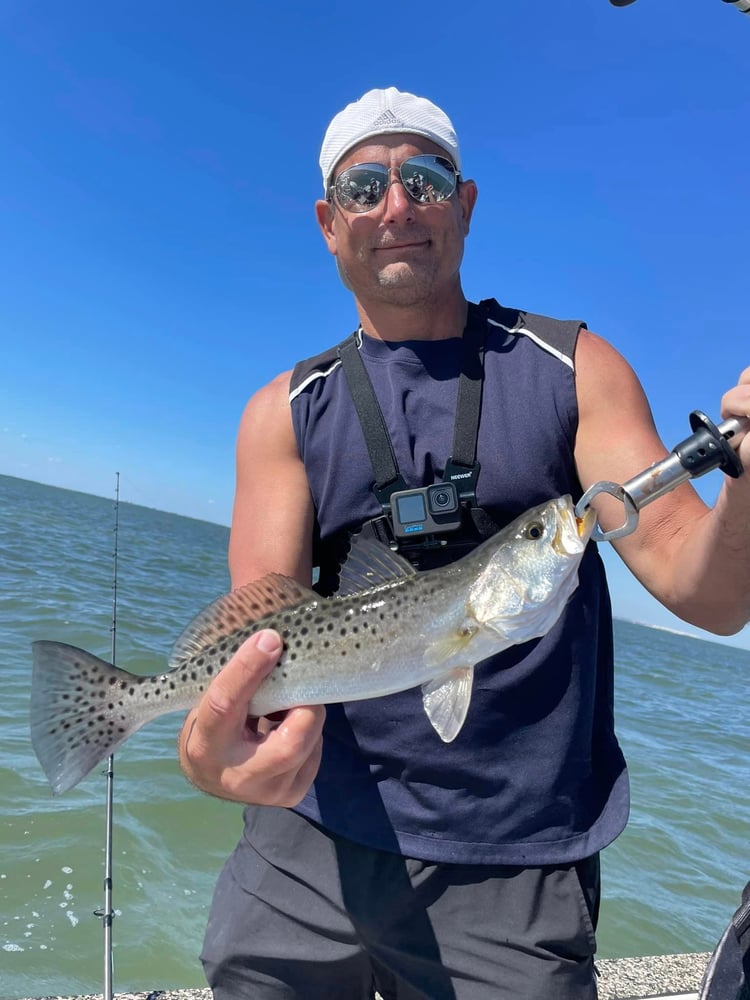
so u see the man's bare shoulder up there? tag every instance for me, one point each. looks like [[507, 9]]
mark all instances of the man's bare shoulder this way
[[270, 397]]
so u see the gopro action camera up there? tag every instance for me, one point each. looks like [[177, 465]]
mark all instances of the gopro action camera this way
[[429, 510]]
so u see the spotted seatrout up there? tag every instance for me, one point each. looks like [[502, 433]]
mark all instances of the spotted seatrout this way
[[389, 628]]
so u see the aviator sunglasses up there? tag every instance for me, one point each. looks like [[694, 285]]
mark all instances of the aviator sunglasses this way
[[427, 179]]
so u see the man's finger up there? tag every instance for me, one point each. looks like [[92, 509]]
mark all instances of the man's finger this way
[[223, 709]]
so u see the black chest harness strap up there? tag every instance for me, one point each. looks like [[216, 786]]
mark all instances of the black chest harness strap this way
[[462, 467]]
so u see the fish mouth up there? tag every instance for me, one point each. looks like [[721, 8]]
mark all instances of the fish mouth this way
[[572, 530], [585, 524]]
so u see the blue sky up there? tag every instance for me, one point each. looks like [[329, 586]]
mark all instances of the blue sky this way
[[160, 261]]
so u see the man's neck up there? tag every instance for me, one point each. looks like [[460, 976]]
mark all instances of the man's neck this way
[[430, 321]]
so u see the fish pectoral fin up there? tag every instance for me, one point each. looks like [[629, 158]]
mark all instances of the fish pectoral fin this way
[[446, 701], [438, 652]]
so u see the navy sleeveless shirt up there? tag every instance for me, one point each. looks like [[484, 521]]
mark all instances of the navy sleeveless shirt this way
[[535, 776]]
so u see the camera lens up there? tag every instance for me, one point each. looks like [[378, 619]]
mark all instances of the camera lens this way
[[442, 499]]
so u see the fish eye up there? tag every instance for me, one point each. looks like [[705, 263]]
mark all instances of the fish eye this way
[[534, 530]]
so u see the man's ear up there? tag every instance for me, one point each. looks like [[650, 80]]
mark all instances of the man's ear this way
[[325, 214], [467, 196]]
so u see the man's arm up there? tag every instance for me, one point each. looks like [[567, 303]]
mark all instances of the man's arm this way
[[221, 750], [695, 560], [272, 521]]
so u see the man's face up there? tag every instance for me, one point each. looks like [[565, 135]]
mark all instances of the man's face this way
[[400, 252]]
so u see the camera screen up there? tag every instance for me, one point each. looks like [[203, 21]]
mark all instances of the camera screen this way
[[411, 508]]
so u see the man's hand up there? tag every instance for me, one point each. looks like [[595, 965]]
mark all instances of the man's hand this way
[[736, 403], [259, 761]]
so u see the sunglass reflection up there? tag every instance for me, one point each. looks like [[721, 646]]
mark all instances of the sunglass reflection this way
[[426, 179]]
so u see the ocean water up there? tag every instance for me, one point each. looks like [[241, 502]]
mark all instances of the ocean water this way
[[670, 882]]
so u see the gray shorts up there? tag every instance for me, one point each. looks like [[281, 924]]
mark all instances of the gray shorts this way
[[299, 913]]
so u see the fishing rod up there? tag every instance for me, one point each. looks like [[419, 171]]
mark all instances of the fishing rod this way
[[106, 912], [743, 6], [708, 447]]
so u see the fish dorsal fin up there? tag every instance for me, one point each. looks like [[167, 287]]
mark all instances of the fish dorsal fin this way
[[238, 610], [370, 564]]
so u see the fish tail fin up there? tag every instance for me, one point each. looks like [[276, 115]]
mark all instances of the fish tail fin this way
[[80, 711]]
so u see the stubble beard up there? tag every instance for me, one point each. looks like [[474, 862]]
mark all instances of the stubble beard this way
[[401, 283]]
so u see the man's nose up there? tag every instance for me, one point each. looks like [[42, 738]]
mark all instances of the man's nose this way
[[398, 204]]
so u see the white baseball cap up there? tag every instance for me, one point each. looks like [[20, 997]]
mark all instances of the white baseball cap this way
[[386, 112]]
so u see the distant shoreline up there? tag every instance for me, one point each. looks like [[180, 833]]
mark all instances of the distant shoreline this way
[[700, 635]]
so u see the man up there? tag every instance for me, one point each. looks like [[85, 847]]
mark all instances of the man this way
[[429, 870]]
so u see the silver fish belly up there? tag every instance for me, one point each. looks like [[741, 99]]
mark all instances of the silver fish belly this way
[[388, 629]]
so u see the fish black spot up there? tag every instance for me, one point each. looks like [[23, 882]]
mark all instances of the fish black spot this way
[[304, 630], [329, 627], [124, 684], [171, 685], [157, 692], [65, 697], [193, 675], [131, 691], [112, 680]]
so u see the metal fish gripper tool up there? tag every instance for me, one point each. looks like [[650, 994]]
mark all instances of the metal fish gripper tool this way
[[708, 447]]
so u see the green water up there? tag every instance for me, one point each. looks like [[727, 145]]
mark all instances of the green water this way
[[670, 882]]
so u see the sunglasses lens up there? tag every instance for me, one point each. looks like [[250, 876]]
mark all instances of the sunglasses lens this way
[[427, 179], [361, 187]]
